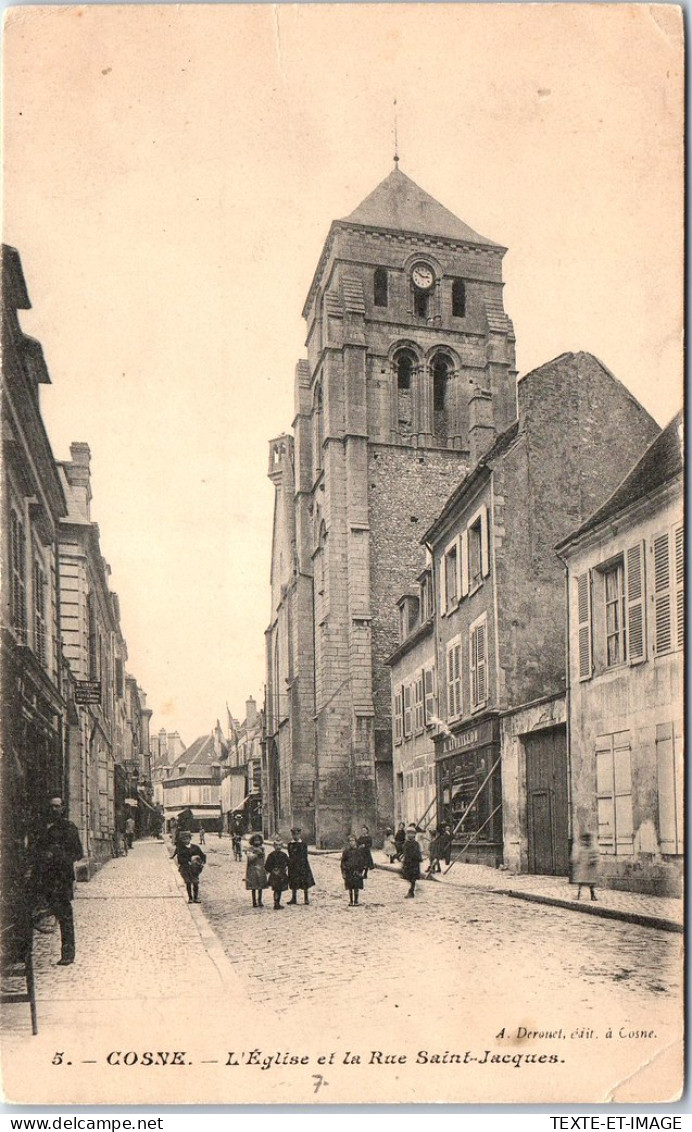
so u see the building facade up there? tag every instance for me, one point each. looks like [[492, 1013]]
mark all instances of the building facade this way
[[103, 767], [166, 747], [501, 756], [414, 707], [410, 368], [242, 788], [34, 676], [625, 571]]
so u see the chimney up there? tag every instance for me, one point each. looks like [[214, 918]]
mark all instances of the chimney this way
[[250, 713], [78, 474], [481, 428]]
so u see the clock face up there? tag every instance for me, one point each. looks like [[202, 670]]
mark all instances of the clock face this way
[[423, 276]]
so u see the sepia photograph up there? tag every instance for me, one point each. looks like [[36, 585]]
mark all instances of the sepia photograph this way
[[342, 554]]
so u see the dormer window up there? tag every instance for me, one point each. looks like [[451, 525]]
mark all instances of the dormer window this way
[[459, 298], [380, 297]]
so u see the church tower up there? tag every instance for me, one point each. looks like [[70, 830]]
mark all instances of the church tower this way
[[410, 374]]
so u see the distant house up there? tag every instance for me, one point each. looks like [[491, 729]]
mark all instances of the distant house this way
[[241, 789], [625, 568], [194, 782]]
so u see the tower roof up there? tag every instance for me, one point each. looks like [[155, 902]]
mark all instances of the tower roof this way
[[399, 203]]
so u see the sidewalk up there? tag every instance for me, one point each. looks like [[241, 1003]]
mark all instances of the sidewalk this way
[[139, 943], [664, 912]]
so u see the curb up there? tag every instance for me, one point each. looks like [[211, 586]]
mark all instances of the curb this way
[[640, 918], [230, 979]]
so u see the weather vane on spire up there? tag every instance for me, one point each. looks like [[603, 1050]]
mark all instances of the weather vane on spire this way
[[396, 136]]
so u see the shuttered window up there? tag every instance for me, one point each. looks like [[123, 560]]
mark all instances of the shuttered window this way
[[454, 701], [17, 550], [419, 720], [614, 794], [478, 663], [670, 774], [679, 538], [662, 595], [398, 716], [429, 681], [407, 709], [452, 572], [635, 588], [584, 624], [668, 596], [40, 626], [464, 562]]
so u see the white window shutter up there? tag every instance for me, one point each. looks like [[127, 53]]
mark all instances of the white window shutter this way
[[678, 535], [584, 625], [450, 683], [485, 546], [463, 560], [662, 595], [481, 664], [457, 669], [635, 590], [472, 668], [443, 586]]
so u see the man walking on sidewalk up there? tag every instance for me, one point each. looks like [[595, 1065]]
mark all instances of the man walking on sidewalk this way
[[56, 849]]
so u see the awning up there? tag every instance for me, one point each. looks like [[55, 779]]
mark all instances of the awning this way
[[149, 806], [237, 809]]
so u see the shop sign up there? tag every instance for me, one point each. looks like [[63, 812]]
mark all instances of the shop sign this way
[[472, 737], [87, 692]]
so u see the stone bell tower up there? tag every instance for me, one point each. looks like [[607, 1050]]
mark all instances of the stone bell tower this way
[[410, 374]]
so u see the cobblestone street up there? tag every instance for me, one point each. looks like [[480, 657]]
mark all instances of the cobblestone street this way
[[442, 974], [407, 957]]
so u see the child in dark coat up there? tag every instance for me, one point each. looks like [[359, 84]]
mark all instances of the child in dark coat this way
[[191, 861], [276, 865], [411, 857], [353, 869], [365, 842]]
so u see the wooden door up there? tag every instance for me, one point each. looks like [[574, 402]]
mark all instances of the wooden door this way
[[546, 796]]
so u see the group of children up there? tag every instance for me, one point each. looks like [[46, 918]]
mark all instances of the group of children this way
[[282, 870], [356, 859]]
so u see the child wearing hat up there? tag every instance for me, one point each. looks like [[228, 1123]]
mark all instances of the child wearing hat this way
[[276, 865], [299, 871], [411, 857], [255, 873], [353, 869]]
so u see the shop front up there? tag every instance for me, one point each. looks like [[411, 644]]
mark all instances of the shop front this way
[[469, 791]]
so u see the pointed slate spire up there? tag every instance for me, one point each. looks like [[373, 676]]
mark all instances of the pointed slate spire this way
[[398, 203]]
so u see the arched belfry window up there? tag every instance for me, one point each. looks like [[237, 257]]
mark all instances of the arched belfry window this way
[[442, 370], [380, 297], [459, 298], [404, 370], [317, 428]]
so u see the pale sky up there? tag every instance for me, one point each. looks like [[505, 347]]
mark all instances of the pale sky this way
[[170, 176]]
